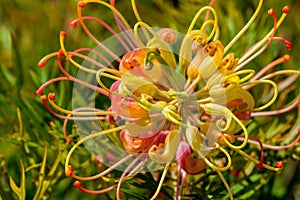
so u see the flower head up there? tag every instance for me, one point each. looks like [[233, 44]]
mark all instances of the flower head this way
[[173, 97]]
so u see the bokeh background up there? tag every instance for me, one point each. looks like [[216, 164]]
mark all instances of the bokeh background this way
[[29, 29]]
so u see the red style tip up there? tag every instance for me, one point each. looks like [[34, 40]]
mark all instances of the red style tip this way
[[39, 91], [298, 130], [271, 12], [44, 98], [69, 172], [279, 164], [286, 58], [77, 184], [289, 46], [63, 34], [51, 96], [42, 64], [286, 9], [81, 4], [73, 24]]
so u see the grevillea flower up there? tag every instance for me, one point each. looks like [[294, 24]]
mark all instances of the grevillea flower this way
[[181, 99]]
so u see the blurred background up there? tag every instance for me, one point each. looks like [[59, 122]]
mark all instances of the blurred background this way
[[29, 29]]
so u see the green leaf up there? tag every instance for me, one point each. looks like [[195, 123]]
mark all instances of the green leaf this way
[[41, 175], [20, 191]]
